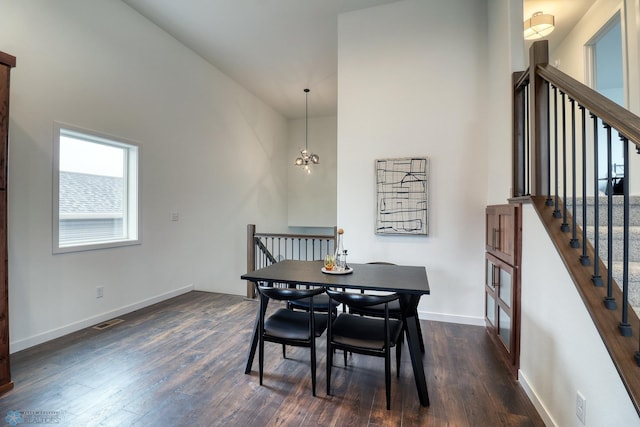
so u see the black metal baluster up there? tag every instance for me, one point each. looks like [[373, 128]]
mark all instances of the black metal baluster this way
[[565, 226], [549, 201], [556, 211], [573, 241], [637, 355], [609, 300], [584, 258], [526, 166], [625, 327], [596, 279]]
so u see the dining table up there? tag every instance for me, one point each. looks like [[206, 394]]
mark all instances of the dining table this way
[[409, 282]]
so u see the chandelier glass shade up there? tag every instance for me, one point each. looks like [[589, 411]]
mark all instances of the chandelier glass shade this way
[[306, 158], [538, 26]]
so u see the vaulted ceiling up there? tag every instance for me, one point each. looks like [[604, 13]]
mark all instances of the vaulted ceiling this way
[[274, 48], [277, 48]]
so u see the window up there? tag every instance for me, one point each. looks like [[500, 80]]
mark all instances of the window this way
[[95, 191]]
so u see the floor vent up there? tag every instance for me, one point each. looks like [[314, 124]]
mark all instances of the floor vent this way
[[108, 324]]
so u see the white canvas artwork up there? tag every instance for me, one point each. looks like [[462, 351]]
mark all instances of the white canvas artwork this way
[[402, 190]]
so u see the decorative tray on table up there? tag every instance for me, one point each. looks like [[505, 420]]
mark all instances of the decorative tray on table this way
[[346, 271]]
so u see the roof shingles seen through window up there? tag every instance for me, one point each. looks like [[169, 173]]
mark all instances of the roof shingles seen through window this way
[[90, 194]]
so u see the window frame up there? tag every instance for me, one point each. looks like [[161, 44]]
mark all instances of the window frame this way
[[131, 183]]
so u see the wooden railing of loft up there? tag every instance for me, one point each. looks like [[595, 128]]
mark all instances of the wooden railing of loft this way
[[555, 161], [264, 249]]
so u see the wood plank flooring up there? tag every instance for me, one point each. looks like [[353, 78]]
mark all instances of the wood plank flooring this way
[[181, 363]]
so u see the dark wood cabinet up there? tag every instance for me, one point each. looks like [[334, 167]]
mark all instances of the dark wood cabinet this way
[[499, 291], [502, 238], [502, 280], [6, 63]]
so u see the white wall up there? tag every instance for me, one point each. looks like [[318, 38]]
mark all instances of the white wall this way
[[411, 83], [312, 197], [561, 351], [210, 151], [506, 55]]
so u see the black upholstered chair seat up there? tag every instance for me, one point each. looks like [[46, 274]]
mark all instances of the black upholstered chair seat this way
[[291, 325], [364, 332]]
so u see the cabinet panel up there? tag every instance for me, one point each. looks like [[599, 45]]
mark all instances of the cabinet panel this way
[[6, 63], [490, 311], [505, 286], [504, 328], [500, 305], [502, 232]]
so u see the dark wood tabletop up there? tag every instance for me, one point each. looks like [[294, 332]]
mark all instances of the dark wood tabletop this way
[[381, 277]]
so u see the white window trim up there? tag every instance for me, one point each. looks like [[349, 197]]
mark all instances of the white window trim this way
[[133, 191]]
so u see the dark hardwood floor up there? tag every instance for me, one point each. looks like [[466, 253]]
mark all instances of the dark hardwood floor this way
[[181, 363]]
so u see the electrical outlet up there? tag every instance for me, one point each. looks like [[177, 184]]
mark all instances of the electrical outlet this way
[[99, 291], [581, 407]]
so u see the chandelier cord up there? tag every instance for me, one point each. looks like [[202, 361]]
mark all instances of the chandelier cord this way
[[306, 120]]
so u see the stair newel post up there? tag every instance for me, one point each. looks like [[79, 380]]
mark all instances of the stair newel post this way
[[539, 119], [625, 327], [596, 279], [584, 258], [251, 258], [609, 301]]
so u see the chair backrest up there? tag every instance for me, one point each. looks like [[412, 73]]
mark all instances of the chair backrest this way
[[288, 294], [360, 300]]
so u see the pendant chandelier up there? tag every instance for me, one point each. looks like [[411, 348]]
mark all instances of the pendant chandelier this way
[[306, 158]]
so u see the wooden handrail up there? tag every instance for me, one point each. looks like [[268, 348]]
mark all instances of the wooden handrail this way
[[293, 236], [619, 118]]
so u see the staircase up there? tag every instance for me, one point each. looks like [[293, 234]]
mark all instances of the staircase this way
[[617, 239]]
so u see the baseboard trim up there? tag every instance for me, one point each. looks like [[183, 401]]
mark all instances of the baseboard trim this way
[[25, 343], [451, 318], [533, 397]]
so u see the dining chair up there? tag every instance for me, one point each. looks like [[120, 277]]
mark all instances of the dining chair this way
[[321, 303], [290, 327], [364, 335], [394, 311]]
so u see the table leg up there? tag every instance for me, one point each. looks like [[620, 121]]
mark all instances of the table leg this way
[[254, 339], [409, 305]]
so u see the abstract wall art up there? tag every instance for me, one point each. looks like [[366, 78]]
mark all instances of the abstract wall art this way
[[402, 196]]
